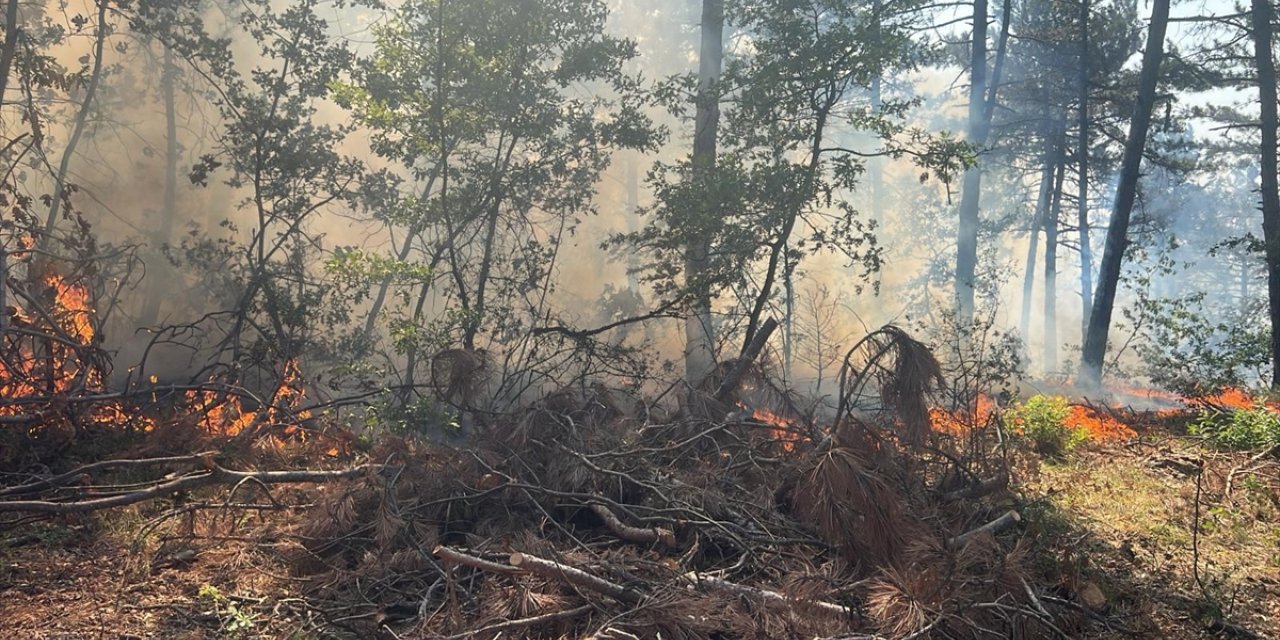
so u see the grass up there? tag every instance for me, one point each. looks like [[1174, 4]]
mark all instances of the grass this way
[[1137, 524]]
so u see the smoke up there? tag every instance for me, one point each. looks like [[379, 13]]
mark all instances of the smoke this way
[[119, 175]]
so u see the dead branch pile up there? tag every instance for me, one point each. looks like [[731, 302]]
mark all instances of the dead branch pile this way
[[581, 517], [578, 518]]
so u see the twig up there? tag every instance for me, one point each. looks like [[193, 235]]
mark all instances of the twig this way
[[700, 579], [577, 577], [524, 622], [76, 473], [1231, 477], [217, 475], [1034, 600]]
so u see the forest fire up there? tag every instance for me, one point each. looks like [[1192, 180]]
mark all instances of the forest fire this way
[[224, 414], [44, 355], [1100, 426], [964, 419], [784, 431], [521, 318]]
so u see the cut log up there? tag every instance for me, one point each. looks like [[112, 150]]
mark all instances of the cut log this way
[[1003, 523], [457, 557]]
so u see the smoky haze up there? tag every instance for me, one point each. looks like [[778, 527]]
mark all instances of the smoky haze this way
[[184, 234]]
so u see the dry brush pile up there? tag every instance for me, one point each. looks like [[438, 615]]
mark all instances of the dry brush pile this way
[[595, 514]]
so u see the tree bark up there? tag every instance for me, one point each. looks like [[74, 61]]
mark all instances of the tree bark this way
[[1095, 344], [875, 166], [1082, 159], [1263, 16], [699, 333]]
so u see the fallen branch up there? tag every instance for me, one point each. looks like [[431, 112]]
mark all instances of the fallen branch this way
[[698, 579], [457, 557], [554, 570], [217, 475], [1231, 477], [978, 490], [749, 355], [1231, 630], [638, 535], [1003, 523], [74, 474], [521, 623]]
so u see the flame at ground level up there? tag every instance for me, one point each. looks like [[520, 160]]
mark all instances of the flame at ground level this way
[[1098, 424]]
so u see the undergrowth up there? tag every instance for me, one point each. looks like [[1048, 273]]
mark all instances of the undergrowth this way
[[1242, 429], [1043, 420]]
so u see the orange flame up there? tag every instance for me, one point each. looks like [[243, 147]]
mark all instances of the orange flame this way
[[785, 430], [223, 414], [1100, 427], [964, 419]]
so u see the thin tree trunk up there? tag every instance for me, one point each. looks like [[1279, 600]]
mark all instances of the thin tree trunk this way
[[1002, 49], [169, 209], [82, 118], [982, 107], [1095, 344], [699, 333], [633, 213], [6, 63], [11, 31], [1263, 15], [1082, 151], [789, 322], [380, 298], [875, 167], [967, 232], [1047, 174], [1051, 222]]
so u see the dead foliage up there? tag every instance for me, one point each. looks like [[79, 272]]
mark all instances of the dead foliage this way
[[583, 516]]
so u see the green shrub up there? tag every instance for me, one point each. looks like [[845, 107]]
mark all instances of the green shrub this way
[[1043, 419], [1254, 428]]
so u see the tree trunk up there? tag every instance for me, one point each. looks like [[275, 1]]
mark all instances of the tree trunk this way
[[967, 232], [699, 334], [1047, 174], [1082, 151], [1095, 344], [1263, 15], [981, 110], [1051, 222], [11, 30], [82, 119], [875, 166], [169, 209]]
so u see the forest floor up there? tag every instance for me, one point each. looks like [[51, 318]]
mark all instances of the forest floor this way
[[1122, 513], [1126, 512]]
